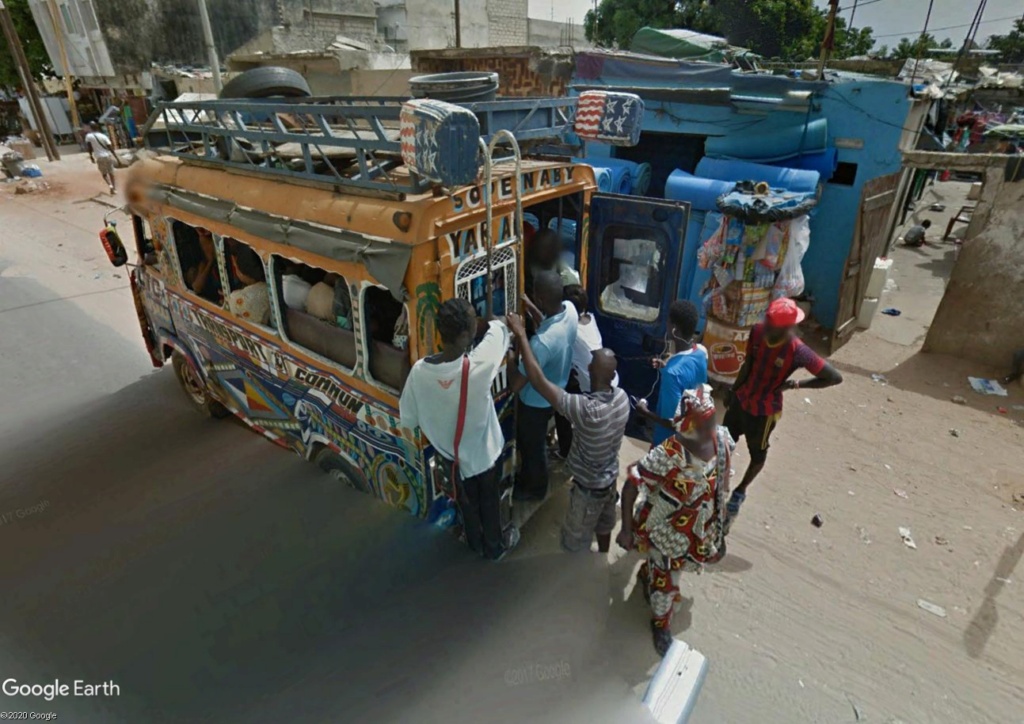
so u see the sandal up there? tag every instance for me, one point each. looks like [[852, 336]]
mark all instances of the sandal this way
[[662, 639], [641, 579], [732, 508]]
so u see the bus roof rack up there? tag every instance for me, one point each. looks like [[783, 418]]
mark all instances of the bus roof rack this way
[[374, 145]]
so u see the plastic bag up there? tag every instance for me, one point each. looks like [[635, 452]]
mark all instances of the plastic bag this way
[[790, 282]]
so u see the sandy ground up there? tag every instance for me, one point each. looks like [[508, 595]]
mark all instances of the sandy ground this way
[[800, 624], [823, 625]]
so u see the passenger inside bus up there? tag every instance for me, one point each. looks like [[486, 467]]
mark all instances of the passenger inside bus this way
[[249, 298], [317, 311], [198, 257], [387, 327], [545, 254]]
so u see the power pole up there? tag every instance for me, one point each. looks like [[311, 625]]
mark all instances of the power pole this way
[[920, 49], [211, 49], [458, 25], [830, 37], [972, 31], [18, 53], [59, 33]]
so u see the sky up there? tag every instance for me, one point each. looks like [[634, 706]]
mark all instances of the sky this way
[[895, 18]]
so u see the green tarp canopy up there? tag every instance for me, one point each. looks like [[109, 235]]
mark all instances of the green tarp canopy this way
[[684, 44]]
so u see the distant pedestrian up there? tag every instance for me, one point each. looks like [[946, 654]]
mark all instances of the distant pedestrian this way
[[774, 353], [915, 235], [681, 525], [101, 152], [598, 418], [588, 341], [686, 369], [438, 387], [552, 347]]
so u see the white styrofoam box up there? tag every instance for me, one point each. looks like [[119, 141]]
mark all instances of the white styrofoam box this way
[[673, 691], [879, 276], [868, 308]]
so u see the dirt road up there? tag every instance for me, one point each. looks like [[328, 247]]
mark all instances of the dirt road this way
[[800, 624]]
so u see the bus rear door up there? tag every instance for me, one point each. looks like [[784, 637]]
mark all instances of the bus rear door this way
[[635, 254]]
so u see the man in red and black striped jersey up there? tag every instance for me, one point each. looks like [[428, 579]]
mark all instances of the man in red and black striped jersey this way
[[774, 353]]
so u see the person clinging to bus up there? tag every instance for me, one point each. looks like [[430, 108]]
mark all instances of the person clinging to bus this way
[[686, 369], [202, 277], [545, 254], [598, 418], [251, 300], [552, 347], [588, 341], [431, 401]]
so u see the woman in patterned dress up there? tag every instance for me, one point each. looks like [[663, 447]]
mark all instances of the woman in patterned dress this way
[[681, 524]]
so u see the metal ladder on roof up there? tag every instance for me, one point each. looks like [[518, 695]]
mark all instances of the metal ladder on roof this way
[[348, 143]]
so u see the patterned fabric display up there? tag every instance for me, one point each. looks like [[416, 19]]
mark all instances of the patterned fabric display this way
[[613, 118], [440, 141]]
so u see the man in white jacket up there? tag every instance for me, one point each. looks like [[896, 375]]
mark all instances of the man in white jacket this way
[[430, 401]]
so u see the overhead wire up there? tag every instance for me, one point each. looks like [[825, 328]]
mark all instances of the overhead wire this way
[[909, 33]]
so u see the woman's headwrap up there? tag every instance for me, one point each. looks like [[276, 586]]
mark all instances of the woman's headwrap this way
[[695, 407]]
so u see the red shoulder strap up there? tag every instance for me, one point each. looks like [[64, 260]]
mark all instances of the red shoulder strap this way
[[461, 422]]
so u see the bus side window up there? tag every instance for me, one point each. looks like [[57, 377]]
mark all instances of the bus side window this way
[[316, 310], [387, 337], [249, 296], [197, 255]]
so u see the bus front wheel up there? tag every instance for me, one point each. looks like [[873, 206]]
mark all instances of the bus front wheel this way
[[195, 389]]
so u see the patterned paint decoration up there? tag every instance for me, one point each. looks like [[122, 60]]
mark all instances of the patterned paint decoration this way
[[613, 118], [428, 302], [439, 141]]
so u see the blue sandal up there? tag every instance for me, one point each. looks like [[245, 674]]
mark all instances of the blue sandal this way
[[733, 508]]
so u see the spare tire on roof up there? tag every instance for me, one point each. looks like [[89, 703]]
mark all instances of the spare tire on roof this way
[[269, 82]]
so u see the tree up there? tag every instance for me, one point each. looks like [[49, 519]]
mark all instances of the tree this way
[[31, 41], [790, 29], [850, 42], [1011, 45], [615, 22], [908, 48]]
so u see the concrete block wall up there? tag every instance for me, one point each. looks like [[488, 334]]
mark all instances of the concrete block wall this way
[[508, 24]]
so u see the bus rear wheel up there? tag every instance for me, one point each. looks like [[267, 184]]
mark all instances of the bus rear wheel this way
[[341, 470], [195, 389]]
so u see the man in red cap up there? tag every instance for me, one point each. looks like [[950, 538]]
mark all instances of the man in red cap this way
[[774, 353]]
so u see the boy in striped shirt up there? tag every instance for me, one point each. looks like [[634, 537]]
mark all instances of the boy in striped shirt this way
[[774, 353], [598, 419]]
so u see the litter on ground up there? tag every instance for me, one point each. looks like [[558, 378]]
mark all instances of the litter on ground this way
[[987, 387], [931, 608]]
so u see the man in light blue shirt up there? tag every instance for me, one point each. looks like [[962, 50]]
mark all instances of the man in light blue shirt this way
[[552, 345]]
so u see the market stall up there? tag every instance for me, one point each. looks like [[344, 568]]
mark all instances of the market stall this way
[[754, 255]]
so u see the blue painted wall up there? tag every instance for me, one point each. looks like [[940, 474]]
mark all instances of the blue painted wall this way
[[870, 110]]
